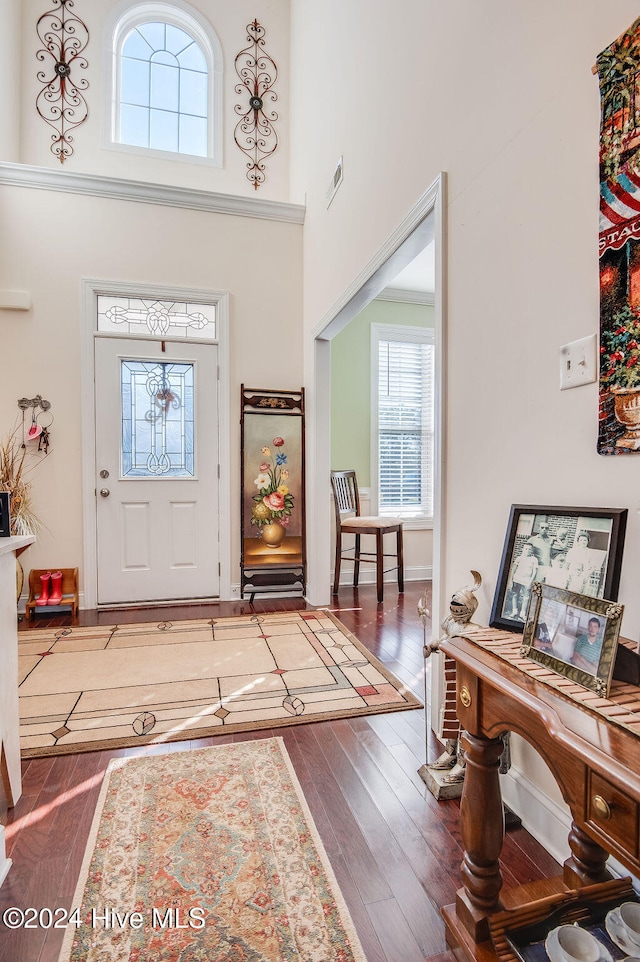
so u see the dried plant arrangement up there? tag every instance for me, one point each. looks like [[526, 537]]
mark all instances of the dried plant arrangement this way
[[16, 465]]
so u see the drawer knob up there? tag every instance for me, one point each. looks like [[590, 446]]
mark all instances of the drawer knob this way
[[465, 696], [601, 807]]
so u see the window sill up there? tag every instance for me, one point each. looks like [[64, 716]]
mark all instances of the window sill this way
[[172, 155], [415, 524]]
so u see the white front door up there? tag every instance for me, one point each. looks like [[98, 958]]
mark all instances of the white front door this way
[[156, 406]]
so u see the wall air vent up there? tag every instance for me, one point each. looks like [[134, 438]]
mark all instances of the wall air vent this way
[[336, 180]]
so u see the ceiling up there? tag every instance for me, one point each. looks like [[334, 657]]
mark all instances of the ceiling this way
[[419, 274]]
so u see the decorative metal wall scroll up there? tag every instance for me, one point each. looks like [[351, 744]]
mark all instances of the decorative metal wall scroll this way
[[255, 134], [60, 102]]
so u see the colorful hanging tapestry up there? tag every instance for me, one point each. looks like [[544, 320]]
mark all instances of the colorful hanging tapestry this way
[[619, 75]]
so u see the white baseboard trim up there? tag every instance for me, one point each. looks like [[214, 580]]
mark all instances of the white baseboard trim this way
[[368, 574], [548, 822], [367, 577]]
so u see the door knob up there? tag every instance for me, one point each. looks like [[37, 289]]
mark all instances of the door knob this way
[[104, 492]]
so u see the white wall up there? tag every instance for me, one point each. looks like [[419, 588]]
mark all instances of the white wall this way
[[501, 96], [9, 102], [57, 239], [91, 155]]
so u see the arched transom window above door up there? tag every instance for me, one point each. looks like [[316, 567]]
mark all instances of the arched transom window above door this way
[[166, 84]]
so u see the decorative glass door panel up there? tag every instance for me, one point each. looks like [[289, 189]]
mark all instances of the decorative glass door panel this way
[[149, 317], [157, 419]]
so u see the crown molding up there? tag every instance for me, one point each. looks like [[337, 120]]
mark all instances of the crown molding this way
[[117, 188], [402, 296]]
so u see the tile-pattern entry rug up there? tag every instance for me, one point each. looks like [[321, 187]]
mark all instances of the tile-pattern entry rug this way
[[83, 689]]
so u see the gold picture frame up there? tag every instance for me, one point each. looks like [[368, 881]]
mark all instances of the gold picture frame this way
[[575, 635]]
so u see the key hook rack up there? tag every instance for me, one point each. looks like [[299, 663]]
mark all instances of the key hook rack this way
[[37, 430]]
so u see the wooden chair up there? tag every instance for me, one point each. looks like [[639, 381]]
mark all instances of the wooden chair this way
[[350, 521]]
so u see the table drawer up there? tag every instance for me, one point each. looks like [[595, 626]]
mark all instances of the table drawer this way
[[468, 700], [613, 813]]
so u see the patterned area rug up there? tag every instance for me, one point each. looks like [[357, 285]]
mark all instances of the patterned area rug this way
[[83, 689], [207, 856]]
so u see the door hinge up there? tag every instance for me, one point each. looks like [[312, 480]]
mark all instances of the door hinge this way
[[219, 569], [218, 472]]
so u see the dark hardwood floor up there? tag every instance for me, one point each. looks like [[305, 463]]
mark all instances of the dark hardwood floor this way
[[394, 849]]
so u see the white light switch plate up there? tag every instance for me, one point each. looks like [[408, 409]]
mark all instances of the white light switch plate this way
[[578, 363]]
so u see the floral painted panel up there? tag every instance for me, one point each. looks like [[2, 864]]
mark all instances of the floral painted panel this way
[[273, 470], [273, 556]]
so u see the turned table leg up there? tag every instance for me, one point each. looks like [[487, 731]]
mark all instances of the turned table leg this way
[[482, 826], [587, 864]]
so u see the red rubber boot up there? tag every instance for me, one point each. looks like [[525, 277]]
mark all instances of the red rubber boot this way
[[45, 581], [56, 588]]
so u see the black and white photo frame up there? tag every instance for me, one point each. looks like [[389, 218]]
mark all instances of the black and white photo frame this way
[[573, 549]]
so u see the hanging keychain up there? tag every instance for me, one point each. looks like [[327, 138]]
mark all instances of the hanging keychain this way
[[35, 430], [45, 437], [23, 404]]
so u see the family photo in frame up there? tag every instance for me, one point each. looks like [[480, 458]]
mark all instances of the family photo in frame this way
[[575, 635], [573, 549]]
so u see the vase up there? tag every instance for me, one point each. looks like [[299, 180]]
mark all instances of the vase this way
[[273, 534], [626, 405]]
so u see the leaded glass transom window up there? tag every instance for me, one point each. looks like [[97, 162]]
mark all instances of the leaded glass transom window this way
[[149, 317], [164, 90], [157, 419]]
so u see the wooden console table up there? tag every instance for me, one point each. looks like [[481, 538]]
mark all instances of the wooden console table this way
[[595, 762]]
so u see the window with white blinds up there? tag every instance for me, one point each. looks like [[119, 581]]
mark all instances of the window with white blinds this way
[[404, 358]]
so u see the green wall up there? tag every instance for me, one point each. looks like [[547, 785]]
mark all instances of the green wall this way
[[351, 382]]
